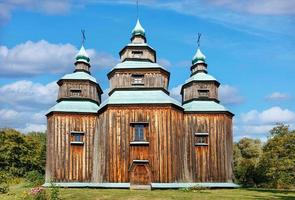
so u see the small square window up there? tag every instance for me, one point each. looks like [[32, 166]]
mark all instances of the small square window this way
[[201, 139], [203, 93], [137, 54], [77, 137], [137, 79], [76, 92]]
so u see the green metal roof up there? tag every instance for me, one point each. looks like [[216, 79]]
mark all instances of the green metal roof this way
[[79, 76], [138, 29], [75, 106], [200, 76], [200, 106], [137, 64], [82, 56], [140, 97], [199, 57]]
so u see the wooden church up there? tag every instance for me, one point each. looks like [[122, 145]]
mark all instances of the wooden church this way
[[139, 137]]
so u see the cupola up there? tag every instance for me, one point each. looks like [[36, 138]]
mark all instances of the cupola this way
[[82, 61]]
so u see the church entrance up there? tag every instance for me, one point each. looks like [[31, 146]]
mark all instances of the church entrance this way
[[140, 176]]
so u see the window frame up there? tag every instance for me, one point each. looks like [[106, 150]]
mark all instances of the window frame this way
[[201, 139], [141, 140], [203, 93], [76, 92], [74, 140], [137, 79]]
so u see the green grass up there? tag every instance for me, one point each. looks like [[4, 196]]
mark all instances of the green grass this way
[[17, 192]]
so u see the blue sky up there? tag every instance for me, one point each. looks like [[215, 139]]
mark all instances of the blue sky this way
[[249, 45]]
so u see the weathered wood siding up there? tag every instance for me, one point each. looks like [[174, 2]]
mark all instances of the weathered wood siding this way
[[191, 91], [81, 66], [88, 90], [114, 153], [147, 54], [66, 162], [152, 79], [212, 163]]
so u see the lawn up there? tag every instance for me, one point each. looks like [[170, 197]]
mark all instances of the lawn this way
[[18, 191]]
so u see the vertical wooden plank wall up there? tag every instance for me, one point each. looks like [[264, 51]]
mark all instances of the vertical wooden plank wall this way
[[114, 154], [66, 162], [210, 163]]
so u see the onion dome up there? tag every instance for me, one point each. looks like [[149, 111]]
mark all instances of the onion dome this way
[[199, 57], [82, 56], [138, 29]]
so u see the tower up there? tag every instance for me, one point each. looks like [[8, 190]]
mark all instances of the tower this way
[[71, 124], [208, 125]]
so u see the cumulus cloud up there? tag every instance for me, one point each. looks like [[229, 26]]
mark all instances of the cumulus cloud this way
[[24, 105], [272, 115], [34, 58], [230, 95], [257, 124], [26, 94], [277, 96], [175, 93]]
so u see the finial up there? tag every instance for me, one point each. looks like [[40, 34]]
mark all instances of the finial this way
[[83, 36], [199, 38]]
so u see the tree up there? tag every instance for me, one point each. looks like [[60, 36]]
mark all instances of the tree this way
[[246, 158], [21, 153], [278, 159]]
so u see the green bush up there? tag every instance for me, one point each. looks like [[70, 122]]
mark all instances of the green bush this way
[[4, 186], [34, 178], [54, 192]]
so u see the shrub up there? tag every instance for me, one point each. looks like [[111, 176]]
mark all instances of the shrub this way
[[4, 186], [34, 178], [54, 192]]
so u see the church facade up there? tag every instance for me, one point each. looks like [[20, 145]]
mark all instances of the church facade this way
[[139, 136]]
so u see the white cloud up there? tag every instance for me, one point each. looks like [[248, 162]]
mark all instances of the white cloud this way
[[257, 124], [278, 96], [22, 94], [33, 128], [164, 62], [229, 95], [34, 58], [175, 93], [46, 6], [272, 115], [22, 120]]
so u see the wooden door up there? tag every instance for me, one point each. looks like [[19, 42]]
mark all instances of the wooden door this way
[[140, 174]]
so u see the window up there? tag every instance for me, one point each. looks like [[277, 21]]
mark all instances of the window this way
[[137, 79], [139, 129], [137, 54], [77, 137], [201, 139], [203, 93], [75, 92], [140, 137]]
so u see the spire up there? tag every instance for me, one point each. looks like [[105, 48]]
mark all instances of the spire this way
[[138, 29], [82, 56], [199, 57]]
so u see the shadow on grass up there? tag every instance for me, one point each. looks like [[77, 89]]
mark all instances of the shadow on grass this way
[[276, 194]]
